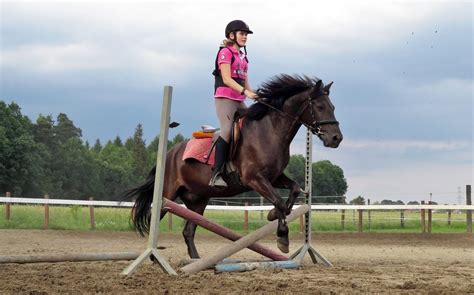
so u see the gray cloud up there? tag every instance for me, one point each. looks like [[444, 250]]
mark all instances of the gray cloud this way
[[105, 65]]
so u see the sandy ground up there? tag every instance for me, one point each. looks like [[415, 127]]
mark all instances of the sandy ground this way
[[381, 263]]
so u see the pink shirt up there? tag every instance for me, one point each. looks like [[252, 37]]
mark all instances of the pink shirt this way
[[237, 70]]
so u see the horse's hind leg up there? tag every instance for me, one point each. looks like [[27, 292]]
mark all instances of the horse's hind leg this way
[[197, 204]]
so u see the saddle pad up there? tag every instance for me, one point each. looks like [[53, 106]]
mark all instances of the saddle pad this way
[[199, 149]]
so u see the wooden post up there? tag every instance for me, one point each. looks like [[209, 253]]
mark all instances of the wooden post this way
[[170, 222], [402, 218], [7, 206], [343, 221], [246, 218], [449, 217], [157, 194], [423, 225], [429, 218], [46, 213], [91, 214], [468, 212], [361, 225], [261, 211], [368, 212]]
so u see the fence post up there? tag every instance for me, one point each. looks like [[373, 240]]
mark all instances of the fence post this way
[[46, 213], [343, 219], [261, 211], [170, 222], [468, 212], [423, 225], [91, 214], [360, 221], [402, 218], [449, 217], [246, 218], [368, 212], [7, 206], [429, 218]]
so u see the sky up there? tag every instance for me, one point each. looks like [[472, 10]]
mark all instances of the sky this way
[[402, 72]]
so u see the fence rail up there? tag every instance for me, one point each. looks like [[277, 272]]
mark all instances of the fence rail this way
[[358, 217], [234, 208]]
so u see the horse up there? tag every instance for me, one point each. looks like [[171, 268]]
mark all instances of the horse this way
[[285, 103]]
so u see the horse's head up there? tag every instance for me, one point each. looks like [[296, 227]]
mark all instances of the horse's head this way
[[317, 113]]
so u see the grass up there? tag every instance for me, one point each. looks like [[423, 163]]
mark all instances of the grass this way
[[118, 219]]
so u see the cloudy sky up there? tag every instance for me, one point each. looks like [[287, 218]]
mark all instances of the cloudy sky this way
[[402, 72]]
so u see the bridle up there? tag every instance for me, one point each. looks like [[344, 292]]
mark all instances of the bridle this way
[[314, 127]]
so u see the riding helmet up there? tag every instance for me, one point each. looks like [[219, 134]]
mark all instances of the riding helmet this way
[[236, 25]]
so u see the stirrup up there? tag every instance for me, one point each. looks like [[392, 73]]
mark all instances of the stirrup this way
[[217, 181]]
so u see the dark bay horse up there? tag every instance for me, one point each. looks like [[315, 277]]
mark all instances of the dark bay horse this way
[[286, 103]]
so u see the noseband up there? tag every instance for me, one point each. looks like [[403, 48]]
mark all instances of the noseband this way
[[314, 127]]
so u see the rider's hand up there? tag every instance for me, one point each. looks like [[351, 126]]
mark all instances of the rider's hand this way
[[250, 94]]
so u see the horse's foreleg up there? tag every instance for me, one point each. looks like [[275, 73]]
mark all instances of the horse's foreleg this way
[[284, 181], [262, 186], [198, 205]]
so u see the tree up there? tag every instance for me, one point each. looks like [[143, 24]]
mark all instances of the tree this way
[[387, 202], [97, 146], [358, 201], [118, 141], [295, 169], [328, 180], [413, 203], [114, 166], [65, 129], [20, 155], [177, 139], [140, 157]]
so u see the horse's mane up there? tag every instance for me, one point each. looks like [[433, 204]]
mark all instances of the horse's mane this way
[[275, 92]]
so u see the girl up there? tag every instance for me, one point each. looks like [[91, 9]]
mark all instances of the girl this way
[[230, 89]]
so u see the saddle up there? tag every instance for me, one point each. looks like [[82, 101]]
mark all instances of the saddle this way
[[202, 146]]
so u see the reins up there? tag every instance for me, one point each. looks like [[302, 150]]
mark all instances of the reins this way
[[316, 129]]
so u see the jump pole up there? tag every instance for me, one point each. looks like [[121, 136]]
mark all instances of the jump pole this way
[[242, 243], [307, 248], [157, 193], [68, 258], [218, 229]]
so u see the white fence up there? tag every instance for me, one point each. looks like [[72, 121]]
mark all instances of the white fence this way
[[236, 208]]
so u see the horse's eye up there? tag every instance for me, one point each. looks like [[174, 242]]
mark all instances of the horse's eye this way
[[320, 107]]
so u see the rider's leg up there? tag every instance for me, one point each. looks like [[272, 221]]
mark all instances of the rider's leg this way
[[225, 109]]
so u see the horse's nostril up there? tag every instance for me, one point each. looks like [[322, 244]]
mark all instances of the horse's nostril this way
[[337, 138]]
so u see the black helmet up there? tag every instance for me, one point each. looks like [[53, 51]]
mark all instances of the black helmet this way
[[236, 25]]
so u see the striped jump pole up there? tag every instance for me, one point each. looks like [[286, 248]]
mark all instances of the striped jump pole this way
[[242, 243], [218, 229]]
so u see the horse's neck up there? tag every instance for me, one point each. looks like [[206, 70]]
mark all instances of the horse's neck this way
[[277, 129]]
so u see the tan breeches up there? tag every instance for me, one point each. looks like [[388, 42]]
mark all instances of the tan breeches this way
[[225, 109]]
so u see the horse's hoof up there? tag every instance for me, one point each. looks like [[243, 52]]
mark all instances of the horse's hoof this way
[[284, 247], [272, 215]]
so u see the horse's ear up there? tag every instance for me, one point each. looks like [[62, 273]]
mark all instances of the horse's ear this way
[[327, 87]]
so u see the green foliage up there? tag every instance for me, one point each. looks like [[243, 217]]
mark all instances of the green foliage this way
[[357, 201], [328, 180], [49, 157], [20, 155]]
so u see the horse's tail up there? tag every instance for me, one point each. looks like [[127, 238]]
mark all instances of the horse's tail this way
[[141, 209]]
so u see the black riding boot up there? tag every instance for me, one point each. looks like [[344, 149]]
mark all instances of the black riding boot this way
[[219, 164]]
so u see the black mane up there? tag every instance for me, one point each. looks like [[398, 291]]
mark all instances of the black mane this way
[[276, 91]]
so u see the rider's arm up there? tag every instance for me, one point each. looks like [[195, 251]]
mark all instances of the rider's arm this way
[[229, 82]]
